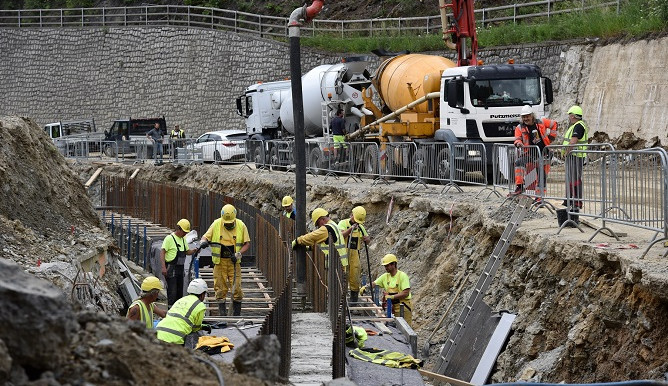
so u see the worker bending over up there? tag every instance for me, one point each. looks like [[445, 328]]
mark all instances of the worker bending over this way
[[325, 227], [396, 287], [356, 236], [143, 308], [232, 235], [185, 316]]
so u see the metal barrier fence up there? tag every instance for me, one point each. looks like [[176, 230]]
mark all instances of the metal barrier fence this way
[[272, 26]]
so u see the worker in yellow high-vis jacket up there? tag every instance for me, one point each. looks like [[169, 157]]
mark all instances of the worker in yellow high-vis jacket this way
[[356, 236], [233, 236]]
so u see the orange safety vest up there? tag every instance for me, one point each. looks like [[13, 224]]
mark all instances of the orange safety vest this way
[[546, 127]]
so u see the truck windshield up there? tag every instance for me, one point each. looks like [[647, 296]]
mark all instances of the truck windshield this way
[[505, 92]]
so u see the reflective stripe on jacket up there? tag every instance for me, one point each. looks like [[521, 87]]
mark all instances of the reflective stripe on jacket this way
[[546, 127], [184, 317], [217, 232], [339, 243], [386, 358], [144, 313], [581, 141]]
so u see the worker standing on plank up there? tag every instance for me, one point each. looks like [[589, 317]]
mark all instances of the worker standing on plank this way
[[355, 235], [233, 236], [143, 308], [173, 257], [325, 227], [185, 316], [396, 287]]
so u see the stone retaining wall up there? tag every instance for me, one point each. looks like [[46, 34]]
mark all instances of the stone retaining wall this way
[[193, 76]]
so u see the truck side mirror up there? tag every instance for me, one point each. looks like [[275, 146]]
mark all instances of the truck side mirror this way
[[239, 107], [549, 97], [456, 94]]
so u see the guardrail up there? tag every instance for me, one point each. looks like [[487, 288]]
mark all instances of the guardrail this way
[[273, 26]]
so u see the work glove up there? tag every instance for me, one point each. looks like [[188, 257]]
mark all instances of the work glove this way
[[518, 145], [363, 289], [206, 327], [294, 244], [204, 244], [236, 257]]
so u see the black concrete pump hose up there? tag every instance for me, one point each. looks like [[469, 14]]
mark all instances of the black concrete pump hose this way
[[216, 369]]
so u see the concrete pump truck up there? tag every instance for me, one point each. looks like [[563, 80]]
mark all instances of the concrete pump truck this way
[[409, 98]]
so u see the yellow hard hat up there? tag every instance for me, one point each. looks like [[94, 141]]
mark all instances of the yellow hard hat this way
[[184, 225], [317, 213], [359, 214], [287, 200], [389, 258], [150, 283], [228, 213], [575, 110]]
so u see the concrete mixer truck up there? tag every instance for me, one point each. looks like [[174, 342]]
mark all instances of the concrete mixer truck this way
[[267, 109]]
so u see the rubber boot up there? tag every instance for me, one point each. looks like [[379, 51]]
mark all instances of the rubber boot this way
[[236, 305], [354, 296], [222, 309]]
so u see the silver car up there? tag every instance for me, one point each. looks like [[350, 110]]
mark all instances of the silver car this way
[[222, 145]]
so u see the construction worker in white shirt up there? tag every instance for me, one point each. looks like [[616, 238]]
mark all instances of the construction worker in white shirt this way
[[356, 236], [233, 235], [325, 227]]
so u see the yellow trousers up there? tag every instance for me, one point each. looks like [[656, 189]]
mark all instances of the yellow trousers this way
[[354, 270], [223, 278]]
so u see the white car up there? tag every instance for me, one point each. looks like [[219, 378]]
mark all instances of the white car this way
[[222, 145]]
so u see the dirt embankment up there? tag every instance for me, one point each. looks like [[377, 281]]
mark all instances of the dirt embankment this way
[[48, 335], [587, 312]]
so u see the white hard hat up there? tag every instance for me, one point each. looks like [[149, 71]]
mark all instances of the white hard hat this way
[[526, 110], [197, 287]]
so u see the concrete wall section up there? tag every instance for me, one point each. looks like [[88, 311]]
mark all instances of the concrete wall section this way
[[627, 90], [190, 76]]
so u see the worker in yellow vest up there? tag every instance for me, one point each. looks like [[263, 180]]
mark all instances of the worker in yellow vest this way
[[185, 316], [576, 134], [356, 236], [396, 287], [288, 207], [232, 235], [144, 307], [173, 258], [325, 227]]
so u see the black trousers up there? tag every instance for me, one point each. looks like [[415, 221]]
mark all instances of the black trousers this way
[[175, 274]]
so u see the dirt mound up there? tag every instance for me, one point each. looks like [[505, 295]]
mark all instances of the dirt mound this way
[[52, 244]]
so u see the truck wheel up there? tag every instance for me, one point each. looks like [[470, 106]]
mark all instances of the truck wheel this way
[[443, 166], [316, 161], [371, 160], [109, 151], [421, 163], [258, 158], [275, 159]]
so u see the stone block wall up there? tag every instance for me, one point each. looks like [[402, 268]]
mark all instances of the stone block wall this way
[[193, 76]]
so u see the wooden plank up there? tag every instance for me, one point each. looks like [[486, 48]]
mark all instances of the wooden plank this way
[[93, 178], [443, 378], [380, 326], [604, 231], [261, 286]]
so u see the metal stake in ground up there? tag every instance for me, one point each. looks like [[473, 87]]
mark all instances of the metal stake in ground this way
[[368, 265]]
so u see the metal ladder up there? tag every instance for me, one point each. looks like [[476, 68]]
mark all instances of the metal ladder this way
[[485, 280], [325, 118]]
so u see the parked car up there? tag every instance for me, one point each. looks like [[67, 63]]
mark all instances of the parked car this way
[[222, 145]]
